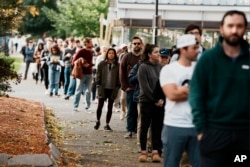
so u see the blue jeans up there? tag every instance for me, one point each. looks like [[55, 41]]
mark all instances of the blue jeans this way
[[72, 86], [132, 113], [86, 81], [67, 71], [54, 78], [175, 141]]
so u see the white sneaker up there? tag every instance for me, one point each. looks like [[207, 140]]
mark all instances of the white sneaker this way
[[88, 110], [122, 115], [116, 109], [46, 92], [76, 109]]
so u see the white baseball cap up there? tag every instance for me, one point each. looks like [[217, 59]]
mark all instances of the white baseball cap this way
[[185, 40]]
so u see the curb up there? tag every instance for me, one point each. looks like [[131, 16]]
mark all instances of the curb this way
[[41, 160]]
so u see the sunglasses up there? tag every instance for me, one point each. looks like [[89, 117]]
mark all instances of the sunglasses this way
[[136, 43]]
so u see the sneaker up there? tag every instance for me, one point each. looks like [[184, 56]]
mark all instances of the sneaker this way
[[75, 109], [88, 110], [128, 135], [50, 94], [122, 116], [56, 94], [97, 125], [46, 92], [116, 109], [107, 128], [66, 97]]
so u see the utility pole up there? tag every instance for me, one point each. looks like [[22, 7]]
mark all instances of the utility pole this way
[[155, 23]]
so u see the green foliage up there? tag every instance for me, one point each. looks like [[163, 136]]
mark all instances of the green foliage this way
[[10, 15], [7, 73], [77, 18], [35, 21]]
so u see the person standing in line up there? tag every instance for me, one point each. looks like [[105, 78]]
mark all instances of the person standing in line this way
[[45, 68], [23, 50], [197, 32], [127, 63], [219, 95], [29, 52], [151, 114], [36, 56], [101, 57], [67, 58], [54, 62], [117, 102], [87, 54], [179, 134], [97, 53], [108, 84], [123, 101], [165, 56]]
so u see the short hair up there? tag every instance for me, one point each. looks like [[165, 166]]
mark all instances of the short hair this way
[[87, 40], [233, 12], [136, 37], [72, 39], [191, 27]]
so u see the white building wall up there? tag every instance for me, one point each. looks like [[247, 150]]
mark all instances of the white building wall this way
[[206, 12]]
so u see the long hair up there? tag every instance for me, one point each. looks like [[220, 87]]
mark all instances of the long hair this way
[[40, 45], [148, 49], [115, 57], [56, 47]]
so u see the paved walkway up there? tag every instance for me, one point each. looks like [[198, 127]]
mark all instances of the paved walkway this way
[[98, 148]]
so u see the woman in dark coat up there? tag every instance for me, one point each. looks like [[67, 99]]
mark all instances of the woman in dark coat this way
[[108, 84]]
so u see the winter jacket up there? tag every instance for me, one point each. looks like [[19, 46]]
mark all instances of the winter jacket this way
[[101, 79]]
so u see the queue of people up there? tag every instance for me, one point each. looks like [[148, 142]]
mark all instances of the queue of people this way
[[190, 104]]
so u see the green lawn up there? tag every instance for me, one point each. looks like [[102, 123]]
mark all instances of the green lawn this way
[[18, 62]]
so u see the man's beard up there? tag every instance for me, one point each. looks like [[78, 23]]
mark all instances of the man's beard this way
[[233, 40], [136, 51]]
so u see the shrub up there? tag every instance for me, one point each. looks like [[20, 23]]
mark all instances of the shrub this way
[[7, 74]]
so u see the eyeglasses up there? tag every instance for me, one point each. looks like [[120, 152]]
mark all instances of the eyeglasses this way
[[194, 33], [136, 43]]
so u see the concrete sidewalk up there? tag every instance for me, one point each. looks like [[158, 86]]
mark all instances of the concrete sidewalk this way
[[97, 148]]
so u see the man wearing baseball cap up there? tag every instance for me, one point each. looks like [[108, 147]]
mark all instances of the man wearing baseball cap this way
[[165, 56], [179, 133]]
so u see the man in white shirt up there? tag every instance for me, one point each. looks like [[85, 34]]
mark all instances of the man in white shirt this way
[[178, 132]]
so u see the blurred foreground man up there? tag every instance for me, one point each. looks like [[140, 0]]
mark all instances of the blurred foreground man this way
[[220, 96]]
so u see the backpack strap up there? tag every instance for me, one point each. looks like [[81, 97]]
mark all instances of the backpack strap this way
[[129, 58]]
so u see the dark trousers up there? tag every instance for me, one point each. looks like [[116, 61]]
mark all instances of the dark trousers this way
[[27, 69], [219, 147], [132, 112], [39, 73], [108, 93], [61, 82], [151, 115], [94, 89], [46, 76]]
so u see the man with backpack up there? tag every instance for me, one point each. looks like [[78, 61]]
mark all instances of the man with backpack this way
[[127, 62]]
